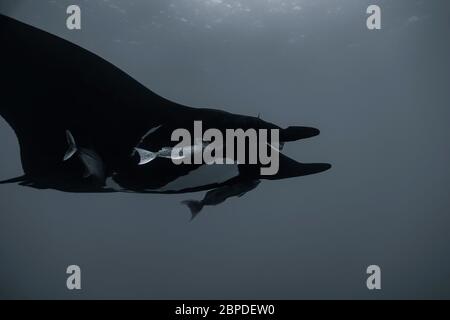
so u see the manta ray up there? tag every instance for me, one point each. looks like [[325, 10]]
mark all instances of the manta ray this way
[[84, 125]]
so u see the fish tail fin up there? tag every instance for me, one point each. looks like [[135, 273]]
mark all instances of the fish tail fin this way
[[72, 146], [195, 207], [13, 180], [145, 156]]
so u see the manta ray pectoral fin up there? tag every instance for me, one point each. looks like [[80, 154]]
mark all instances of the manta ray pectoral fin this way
[[145, 156], [72, 146], [13, 180]]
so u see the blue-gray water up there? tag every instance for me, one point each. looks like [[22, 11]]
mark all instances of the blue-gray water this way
[[380, 99]]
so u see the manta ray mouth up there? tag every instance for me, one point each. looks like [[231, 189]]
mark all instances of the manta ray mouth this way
[[295, 133], [291, 168]]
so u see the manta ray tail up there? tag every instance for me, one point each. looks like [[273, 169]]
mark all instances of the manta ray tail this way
[[72, 146], [13, 180], [195, 207], [145, 156]]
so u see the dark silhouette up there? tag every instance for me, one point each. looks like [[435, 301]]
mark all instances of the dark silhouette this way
[[79, 119]]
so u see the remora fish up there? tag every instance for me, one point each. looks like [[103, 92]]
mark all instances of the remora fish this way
[[219, 195], [145, 156]]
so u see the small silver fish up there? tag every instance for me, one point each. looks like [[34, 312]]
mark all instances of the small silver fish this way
[[176, 153]]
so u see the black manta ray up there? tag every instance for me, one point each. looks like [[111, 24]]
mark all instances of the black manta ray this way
[[79, 121]]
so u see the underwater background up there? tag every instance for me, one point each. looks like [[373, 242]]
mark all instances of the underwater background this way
[[380, 99]]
